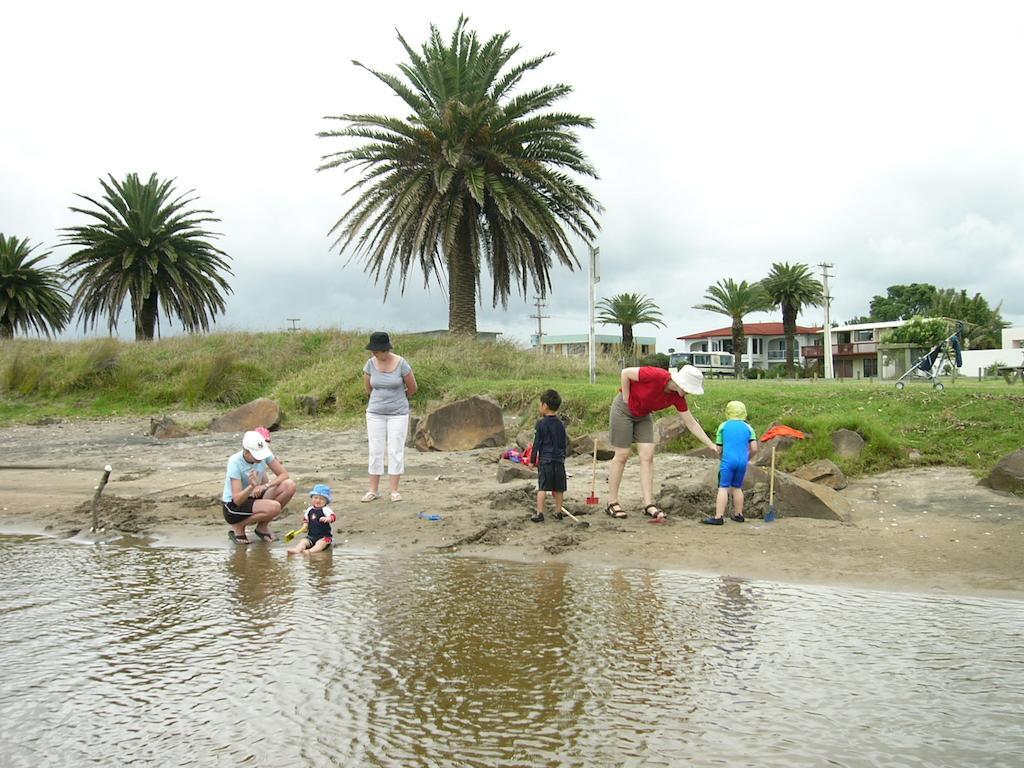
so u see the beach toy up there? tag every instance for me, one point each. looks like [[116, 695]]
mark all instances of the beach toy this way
[[426, 516]]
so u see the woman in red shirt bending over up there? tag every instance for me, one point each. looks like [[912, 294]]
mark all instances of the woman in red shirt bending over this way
[[644, 391]]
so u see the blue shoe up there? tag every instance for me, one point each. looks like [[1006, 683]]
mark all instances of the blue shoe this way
[[713, 521]]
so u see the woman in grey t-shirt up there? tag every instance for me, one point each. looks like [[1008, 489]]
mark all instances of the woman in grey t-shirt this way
[[390, 383]]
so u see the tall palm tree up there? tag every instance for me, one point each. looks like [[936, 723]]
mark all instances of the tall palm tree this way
[[735, 300], [792, 287], [31, 297], [627, 310], [474, 175], [145, 245]]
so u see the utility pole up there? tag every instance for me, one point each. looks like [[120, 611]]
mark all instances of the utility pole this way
[[594, 277], [293, 321], [829, 372], [538, 302]]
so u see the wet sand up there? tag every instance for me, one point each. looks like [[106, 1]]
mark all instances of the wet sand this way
[[924, 530]]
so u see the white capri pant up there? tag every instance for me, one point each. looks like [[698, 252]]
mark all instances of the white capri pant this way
[[387, 432]]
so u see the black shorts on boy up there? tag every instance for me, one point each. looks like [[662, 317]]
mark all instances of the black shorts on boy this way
[[551, 477]]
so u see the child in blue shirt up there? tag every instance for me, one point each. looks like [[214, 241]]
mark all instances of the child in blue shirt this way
[[549, 446], [739, 444], [317, 521]]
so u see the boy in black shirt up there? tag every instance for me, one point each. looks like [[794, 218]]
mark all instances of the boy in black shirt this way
[[549, 444]]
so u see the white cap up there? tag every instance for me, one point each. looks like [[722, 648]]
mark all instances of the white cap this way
[[254, 443], [689, 379]]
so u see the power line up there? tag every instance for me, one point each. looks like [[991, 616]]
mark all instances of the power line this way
[[294, 321]]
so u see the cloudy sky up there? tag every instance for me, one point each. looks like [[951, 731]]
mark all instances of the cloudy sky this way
[[885, 138]]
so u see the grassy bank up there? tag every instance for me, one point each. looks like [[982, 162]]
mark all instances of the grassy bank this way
[[969, 424]]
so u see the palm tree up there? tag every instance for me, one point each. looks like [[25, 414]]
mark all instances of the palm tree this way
[[627, 310], [735, 300], [792, 287], [474, 175], [146, 246], [31, 297]]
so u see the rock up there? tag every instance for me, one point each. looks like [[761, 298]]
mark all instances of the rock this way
[[1008, 474], [166, 428], [512, 470], [914, 455], [847, 443], [794, 497], [523, 438], [763, 457], [823, 472], [667, 429], [701, 453], [475, 422], [259, 413], [584, 446], [410, 437], [308, 404]]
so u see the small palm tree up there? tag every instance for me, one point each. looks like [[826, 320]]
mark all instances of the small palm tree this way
[[144, 245], [792, 287], [31, 297], [473, 176], [735, 300], [627, 310]]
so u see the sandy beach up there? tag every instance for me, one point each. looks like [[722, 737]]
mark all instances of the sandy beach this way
[[925, 530]]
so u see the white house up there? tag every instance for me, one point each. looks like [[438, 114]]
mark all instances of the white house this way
[[765, 343], [576, 344], [1011, 353]]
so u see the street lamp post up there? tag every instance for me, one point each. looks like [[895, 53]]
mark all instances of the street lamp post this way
[[593, 278]]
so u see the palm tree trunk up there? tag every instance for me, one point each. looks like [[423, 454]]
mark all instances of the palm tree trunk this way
[[738, 340], [145, 320], [6, 331], [627, 343], [462, 286], [789, 329]]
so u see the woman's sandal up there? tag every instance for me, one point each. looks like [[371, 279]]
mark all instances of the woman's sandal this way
[[369, 496], [264, 536], [615, 510], [236, 538], [657, 514]]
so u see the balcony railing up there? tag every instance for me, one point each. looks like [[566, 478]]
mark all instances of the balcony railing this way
[[842, 350]]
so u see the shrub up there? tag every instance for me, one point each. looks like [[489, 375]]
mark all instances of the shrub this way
[[658, 360]]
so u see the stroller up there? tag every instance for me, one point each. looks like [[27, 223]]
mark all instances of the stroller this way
[[946, 352]]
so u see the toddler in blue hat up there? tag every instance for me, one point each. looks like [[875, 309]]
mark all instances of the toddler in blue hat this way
[[317, 521]]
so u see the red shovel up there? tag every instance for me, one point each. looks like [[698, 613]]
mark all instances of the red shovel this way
[[592, 498]]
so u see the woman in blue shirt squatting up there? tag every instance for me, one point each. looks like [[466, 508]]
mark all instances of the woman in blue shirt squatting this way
[[739, 444], [248, 498], [317, 521]]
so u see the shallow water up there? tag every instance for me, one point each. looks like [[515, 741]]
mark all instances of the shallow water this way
[[118, 655]]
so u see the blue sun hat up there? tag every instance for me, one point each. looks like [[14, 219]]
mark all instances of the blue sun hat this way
[[322, 490]]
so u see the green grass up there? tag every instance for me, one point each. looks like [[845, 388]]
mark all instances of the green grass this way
[[970, 424]]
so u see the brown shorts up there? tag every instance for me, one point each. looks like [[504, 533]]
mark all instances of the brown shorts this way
[[624, 428]]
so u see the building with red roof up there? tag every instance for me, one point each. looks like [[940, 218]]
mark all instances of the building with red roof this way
[[765, 343]]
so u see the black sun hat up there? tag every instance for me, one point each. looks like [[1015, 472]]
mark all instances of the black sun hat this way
[[379, 342]]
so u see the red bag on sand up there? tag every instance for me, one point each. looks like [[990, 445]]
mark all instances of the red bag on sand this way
[[528, 454], [781, 430]]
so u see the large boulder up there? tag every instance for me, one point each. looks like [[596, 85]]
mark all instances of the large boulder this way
[[410, 437], [823, 472], [793, 497], [667, 429], [1008, 474], [584, 446], [475, 422], [259, 413], [763, 457], [512, 470], [847, 443]]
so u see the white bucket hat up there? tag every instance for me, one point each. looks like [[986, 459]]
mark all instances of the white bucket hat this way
[[254, 443], [689, 379]]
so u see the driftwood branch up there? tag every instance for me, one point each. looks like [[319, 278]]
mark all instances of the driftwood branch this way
[[96, 497]]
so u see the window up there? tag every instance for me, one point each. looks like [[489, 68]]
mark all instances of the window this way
[[863, 335], [757, 346], [870, 367]]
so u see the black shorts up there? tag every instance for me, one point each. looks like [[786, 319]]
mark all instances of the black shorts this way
[[551, 477], [235, 514]]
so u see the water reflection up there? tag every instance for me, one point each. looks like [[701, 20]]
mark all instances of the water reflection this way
[[249, 657]]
